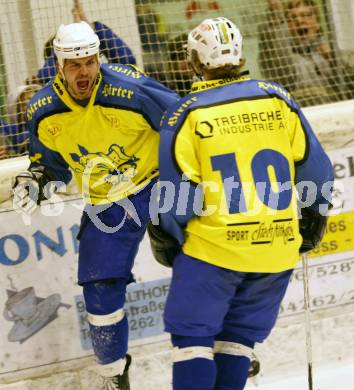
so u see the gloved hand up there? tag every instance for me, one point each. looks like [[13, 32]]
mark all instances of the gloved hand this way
[[312, 227], [28, 190], [164, 247]]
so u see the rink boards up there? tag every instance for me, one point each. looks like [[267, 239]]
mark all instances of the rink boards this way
[[43, 318]]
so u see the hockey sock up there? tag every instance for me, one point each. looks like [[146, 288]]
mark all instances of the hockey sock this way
[[108, 323], [110, 342], [232, 371], [193, 364], [194, 374]]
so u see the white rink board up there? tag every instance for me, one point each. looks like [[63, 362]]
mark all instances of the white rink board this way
[[44, 256], [331, 277]]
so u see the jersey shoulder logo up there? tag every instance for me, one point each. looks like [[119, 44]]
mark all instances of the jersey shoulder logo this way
[[204, 129]]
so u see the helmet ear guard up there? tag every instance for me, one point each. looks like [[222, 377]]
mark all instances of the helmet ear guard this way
[[75, 40], [217, 42]]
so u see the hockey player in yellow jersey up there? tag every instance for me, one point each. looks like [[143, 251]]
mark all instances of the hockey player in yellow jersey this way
[[236, 149], [100, 122]]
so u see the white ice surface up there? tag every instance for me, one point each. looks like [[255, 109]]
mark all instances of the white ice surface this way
[[331, 378]]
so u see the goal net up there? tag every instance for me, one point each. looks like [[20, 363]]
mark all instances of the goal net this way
[[305, 45]]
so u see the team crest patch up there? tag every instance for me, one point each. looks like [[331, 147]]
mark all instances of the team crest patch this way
[[109, 168]]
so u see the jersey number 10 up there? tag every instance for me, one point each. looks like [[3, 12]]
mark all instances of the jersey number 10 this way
[[260, 164]]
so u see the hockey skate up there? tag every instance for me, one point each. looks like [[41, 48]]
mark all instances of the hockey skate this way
[[118, 382]]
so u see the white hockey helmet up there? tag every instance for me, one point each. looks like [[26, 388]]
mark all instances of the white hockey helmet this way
[[217, 42], [75, 40]]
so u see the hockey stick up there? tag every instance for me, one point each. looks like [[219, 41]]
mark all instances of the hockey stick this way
[[307, 320]]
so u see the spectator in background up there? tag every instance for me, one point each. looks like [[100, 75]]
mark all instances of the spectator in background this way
[[111, 46], [15, 133], [3, 142], [152, 28], [273, 38], [294, 52], [153, 36], [179, 72], [197, 9]]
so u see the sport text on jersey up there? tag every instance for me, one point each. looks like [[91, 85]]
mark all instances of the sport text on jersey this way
[[181, 109], [258, 233], [41, 102], [110, 90], [202, 86], [267, 86], [128, 72], [248, 122]]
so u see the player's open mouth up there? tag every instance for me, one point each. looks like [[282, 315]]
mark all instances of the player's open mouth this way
[[303, 31], [83, 85]]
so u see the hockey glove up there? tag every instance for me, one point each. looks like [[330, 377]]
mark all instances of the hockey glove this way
[[28, 190], [312, 226], [164, 247]]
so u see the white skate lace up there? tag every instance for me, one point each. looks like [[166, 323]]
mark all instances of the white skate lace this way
[[110, 383]]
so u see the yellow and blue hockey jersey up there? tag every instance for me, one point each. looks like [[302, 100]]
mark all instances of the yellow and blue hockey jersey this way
[[111, 144], [242, 145]]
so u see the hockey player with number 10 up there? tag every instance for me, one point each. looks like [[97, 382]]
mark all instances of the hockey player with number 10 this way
[[240, 145]]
